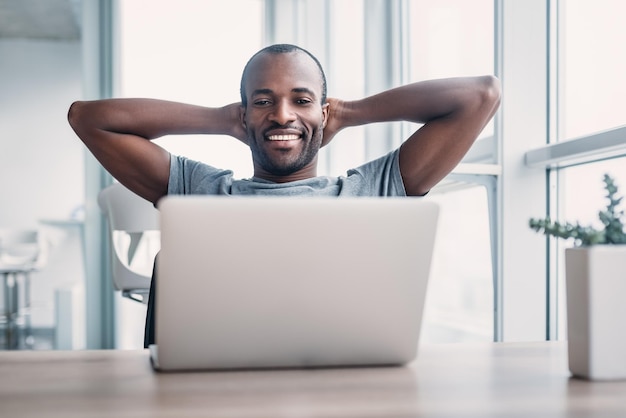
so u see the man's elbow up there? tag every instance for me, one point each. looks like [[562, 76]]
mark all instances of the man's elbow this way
[[490, 91], [74, 112]]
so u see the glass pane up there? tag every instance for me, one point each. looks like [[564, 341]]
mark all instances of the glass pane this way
[[191, 51], [450, 38], [346, 77], [459, 302], [592, 66]]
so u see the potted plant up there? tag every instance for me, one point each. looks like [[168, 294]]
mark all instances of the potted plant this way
[[595, 276]]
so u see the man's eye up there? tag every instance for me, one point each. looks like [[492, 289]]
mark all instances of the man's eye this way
[[303, 101], [261, 102]]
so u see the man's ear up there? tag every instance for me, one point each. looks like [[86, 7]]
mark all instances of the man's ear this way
[[242, 116], [325, 107]]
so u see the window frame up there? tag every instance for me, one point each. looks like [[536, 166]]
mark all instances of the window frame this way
[[523, 163]]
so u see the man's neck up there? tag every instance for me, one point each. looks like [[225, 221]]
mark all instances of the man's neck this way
[[305, 173]]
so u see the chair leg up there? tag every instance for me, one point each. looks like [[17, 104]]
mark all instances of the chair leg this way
[[29, 340], [10, 311], [15, 308], [7, 309]]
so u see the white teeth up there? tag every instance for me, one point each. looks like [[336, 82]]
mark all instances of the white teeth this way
[[282, 137]]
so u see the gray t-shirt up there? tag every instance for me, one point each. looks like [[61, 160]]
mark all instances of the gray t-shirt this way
[[380, 177]]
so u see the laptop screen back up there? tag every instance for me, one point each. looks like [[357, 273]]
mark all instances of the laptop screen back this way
[[291, 282]]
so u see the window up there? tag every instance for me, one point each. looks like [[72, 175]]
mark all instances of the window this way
[[345, 72], [190, 51], [451, 38], [391, 43], [356, 40], [194, 52], [459, 303], [387, 44], [590, 85], [448, 39], [592, 66]]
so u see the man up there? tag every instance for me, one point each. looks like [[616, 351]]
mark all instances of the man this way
[[285, 118]]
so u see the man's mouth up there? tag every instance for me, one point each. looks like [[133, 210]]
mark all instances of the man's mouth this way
[[290, 137]]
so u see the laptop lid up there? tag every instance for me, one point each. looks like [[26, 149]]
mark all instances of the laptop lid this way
[[257, 282]]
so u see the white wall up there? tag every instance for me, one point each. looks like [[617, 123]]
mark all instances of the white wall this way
[[41, 160]]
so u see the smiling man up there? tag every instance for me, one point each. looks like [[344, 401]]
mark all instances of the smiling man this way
[[285, 118]]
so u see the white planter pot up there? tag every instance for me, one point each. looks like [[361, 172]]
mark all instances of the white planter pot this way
[[596, 311]]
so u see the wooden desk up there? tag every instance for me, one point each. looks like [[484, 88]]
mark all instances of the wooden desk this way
[[488, 380]]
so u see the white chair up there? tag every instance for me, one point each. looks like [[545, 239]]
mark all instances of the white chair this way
[[133, 225], [20, 254]]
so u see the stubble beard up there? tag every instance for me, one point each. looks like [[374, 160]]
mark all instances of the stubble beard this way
[[285, 166]]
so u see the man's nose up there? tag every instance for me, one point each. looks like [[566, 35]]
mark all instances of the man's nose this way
[[283, 113]]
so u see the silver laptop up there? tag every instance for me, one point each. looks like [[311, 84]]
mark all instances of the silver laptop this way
[[256, 282]]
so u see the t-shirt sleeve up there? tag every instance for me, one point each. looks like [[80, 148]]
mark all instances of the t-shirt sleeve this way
[[381, 177], [193, 177]]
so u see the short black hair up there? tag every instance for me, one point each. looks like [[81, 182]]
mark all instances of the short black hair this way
[[280, 49]]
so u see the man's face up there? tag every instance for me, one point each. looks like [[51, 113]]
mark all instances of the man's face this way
[[284, 118]]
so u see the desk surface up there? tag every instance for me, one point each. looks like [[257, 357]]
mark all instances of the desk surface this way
[[483, 380]]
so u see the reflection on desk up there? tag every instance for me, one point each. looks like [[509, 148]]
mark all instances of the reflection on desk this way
[[456, 380]]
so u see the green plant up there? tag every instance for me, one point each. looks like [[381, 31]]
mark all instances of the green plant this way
[[611, 218]]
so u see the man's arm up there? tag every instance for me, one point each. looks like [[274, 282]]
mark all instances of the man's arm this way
[[454, 111], [118, 132]]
